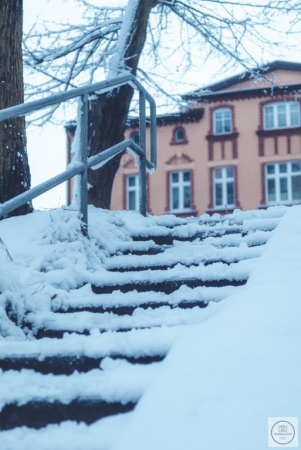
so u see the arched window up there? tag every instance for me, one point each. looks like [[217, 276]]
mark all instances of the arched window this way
[[281, 115], [222, 121], [179, 135]]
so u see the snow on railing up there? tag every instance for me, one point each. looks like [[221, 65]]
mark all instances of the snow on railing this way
[[81, 167]]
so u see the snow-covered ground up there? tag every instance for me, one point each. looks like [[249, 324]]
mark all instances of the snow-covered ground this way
[[229, 367]]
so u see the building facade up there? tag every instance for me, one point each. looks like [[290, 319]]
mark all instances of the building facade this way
[[238, 145]]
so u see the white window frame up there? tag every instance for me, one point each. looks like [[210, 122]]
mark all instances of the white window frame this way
[[224, 180], [181, 184], [274, 106], [134, 189], [222, 110], [289, 174]]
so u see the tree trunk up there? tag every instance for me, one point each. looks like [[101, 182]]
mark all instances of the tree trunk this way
[[14, 169], [108, 113]]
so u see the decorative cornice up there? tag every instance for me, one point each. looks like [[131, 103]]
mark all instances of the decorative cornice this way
[[222, 137], [179, 159]]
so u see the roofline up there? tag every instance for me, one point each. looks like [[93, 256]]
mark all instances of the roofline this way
[[247, 75], [189, 116], [246, 93]]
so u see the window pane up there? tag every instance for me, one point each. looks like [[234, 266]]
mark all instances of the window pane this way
[[227, 125], [296, 167], [230, 193], [132, 181], [270, 169], [175, 177], [132, 200], [230, 172], [218, 127], [175, 198], [218, 194], [283, 189], [283, 168], [271, 190], [281, 110], [218, 173], [186, 176], [269, 117], [296, 187], [295, 114], [187, 197]]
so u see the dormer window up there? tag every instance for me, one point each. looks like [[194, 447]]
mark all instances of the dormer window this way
[[222, 121], [281, 115], [179, 136]]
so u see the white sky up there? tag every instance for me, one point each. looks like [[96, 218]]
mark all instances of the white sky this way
[[47, 145]]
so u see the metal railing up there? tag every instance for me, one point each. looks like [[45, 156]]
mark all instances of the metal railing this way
[[81, 167]]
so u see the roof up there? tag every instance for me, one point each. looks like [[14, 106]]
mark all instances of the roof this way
[[189, 116], [244, 76]]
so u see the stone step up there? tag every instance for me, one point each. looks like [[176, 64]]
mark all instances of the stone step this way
[[166, 287], [171, 266], [128, 309], [39, 414], [67, 364], [168, 239]]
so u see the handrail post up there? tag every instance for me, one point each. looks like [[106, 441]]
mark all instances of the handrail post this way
[[83, 152], [142, 160]]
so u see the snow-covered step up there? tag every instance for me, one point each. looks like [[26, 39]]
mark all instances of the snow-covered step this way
[[186, 254], [193, 230], [48, 324], [129, 310], [217, 275], [33, 399], [40, 414], [67, 364], [84, 299], [184, 234], [133, 344]]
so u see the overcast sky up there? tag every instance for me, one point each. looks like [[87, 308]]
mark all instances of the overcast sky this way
[[47, 146]]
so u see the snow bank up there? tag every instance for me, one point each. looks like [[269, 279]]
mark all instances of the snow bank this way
[[223, 378]]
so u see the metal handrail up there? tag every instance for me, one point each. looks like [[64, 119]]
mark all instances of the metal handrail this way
[[81, 167]]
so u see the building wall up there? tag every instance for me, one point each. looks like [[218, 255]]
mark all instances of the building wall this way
[[247, 148]]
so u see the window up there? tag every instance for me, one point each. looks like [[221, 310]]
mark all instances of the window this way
[[180, 191], [224, 187], [179, 135], [281, 115], [135, 137], [283, 182], [132, 192], [222, 121]]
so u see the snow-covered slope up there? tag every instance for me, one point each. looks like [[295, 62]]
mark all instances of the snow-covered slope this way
[[86, 324]]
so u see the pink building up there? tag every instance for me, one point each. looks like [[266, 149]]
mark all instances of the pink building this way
[[237, 145]]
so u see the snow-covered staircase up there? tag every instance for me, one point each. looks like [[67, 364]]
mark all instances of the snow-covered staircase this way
[[95, 351]]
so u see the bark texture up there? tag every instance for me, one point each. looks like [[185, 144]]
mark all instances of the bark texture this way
[[108, 113], [14, 168]]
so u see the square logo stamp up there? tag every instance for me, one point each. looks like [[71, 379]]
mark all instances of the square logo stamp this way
[[283, 432]]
